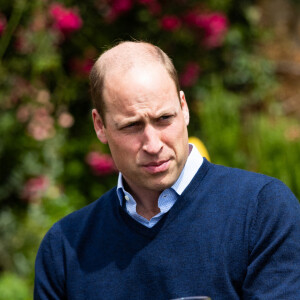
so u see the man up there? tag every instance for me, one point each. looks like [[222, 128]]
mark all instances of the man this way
[[175, 225]]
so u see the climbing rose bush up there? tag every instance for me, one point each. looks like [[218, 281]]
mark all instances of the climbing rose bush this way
[[51, 161], [65, 19], [2, 24]]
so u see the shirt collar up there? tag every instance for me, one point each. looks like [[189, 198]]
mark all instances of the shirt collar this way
[[191, 167]]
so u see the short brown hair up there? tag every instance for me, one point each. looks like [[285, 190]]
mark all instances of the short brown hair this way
[[124, 55]]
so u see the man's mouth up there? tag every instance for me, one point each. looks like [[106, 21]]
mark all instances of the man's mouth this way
[[157, 167]]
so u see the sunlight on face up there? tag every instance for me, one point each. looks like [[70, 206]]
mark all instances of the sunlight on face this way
[[146, 127]]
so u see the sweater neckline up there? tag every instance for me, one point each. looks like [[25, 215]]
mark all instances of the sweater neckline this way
[[169, 216]]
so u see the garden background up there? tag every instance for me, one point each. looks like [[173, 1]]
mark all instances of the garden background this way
[[238, 63]]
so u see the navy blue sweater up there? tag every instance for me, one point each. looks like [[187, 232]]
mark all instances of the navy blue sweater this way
[[231, 235]]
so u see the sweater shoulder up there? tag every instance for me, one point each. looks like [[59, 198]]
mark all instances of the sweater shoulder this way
[[239, 172], [240, 177], [237, 188], [253, 192]]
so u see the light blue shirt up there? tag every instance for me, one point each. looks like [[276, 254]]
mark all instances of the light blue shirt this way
[[169, 196]]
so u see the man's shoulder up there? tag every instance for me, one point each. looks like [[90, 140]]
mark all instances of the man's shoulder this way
[[247, 185], [239, 184], [237, 175]]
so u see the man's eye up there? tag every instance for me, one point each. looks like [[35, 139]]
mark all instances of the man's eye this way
[[131, 125], [166, 117]]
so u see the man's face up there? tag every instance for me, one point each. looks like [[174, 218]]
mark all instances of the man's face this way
[[145, 127]]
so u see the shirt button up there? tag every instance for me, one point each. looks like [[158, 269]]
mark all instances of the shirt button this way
[[127, 198]]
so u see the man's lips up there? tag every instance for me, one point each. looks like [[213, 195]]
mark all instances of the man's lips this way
[[157, 167]]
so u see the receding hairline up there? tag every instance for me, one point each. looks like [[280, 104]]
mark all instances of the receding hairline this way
[[128, 54]]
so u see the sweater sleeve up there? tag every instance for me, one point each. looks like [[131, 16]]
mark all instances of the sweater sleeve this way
[[49, 275], [274, 255]]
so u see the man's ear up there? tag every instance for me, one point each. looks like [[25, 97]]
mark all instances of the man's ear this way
[[99, 126], [184, 108]]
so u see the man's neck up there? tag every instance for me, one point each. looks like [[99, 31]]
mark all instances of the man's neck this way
[[147, 211], [147, 202]]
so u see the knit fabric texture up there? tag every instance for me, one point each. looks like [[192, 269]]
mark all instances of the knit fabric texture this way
[[232, 234]]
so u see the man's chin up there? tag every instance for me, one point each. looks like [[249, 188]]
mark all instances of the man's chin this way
[[160, 184]]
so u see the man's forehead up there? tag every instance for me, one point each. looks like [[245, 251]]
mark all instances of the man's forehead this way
[[120, 71], [145, 80]]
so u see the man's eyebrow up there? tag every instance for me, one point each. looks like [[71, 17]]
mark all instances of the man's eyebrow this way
[[166, 111], [126, 121]]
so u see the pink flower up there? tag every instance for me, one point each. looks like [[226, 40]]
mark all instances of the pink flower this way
[[215, 29], [190, 74], [25, 89], [146, 1], [23, 113], [41, 126], [2, 24], [170, 23], [117, 8], [34, 188], [82, 67], [214, 26], [65, 20], [65, 120], [101, 164]]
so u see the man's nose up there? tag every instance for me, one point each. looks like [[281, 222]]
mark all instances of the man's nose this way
[[152, 143]]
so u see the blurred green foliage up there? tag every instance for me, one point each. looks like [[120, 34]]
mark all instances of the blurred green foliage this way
[[51, 162]]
